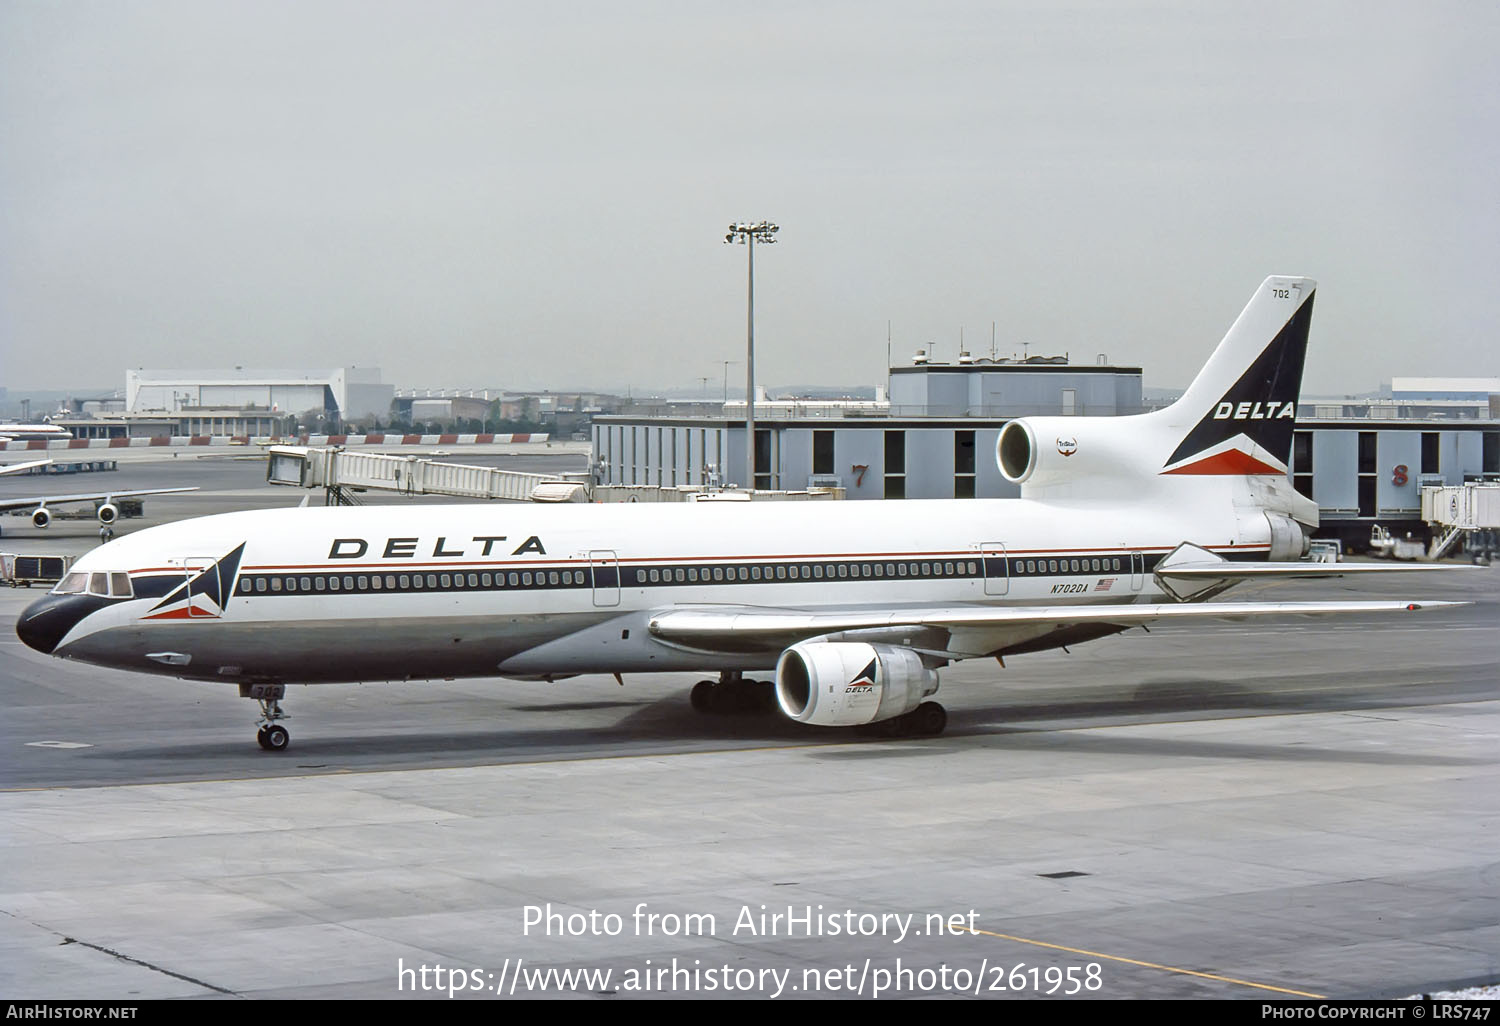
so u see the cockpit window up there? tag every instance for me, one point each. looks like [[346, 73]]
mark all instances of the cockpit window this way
[[73, 584], [108, 585]]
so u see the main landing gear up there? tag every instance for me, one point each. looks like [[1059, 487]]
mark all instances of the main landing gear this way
[[732, 693], [927, 720], [271, 736]]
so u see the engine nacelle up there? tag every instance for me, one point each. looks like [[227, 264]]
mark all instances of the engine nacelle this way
[[1086, 452], [847, 684], [1016, 452], [41, 518], [1289, 540], [107, 513]]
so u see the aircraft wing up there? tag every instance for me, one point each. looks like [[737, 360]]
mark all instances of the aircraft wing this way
[[62, 500], [16, 468], [967, 631]]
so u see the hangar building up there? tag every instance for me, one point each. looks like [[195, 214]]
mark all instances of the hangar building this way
[[253, 403]]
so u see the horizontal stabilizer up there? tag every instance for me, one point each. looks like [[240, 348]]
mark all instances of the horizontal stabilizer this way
[[1191, 572], [1224, 570]]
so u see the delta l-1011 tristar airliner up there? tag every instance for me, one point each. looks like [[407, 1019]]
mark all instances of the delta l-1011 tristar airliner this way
[[1122, 521]]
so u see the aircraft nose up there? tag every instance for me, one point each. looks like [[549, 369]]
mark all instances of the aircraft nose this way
[[46, 621]]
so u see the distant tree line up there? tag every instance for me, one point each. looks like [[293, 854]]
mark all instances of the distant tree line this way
[[318, 422], [460, 426]]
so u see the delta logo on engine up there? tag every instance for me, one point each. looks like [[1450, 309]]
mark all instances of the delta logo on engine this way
[[864, 682]]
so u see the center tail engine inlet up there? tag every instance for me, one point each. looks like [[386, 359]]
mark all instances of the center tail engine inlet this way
[[851, 684], [1074, 458]]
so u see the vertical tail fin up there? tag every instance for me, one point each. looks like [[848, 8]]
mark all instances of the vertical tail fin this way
[[1238, 412]]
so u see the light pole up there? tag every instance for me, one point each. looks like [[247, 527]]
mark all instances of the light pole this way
[[726, 378], [748, 235]]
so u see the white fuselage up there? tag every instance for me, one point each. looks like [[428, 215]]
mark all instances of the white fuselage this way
[[33, 433], [379, 593]]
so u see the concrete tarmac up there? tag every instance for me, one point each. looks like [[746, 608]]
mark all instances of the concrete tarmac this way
[[1226, 811]]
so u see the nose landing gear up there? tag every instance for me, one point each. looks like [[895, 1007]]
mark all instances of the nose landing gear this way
[[271, 736]]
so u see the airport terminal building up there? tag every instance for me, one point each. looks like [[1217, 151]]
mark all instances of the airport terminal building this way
[[1364, 461], [924, 442]]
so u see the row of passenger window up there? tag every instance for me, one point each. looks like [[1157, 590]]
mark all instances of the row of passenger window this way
[[412, 582], [805, 572], [672, 575], [1064, 566]]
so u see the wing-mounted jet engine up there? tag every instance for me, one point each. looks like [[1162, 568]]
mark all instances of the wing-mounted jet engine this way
[[850, 684]]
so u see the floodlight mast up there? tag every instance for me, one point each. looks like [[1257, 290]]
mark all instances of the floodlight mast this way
[[748, 234]]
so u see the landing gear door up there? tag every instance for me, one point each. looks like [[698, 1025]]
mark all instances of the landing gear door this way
[[604, 569], [996, 568]]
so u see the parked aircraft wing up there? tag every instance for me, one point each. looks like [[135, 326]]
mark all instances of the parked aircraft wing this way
[[62, 500]]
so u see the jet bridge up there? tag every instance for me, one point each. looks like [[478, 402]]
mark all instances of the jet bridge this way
[[1458, 510], [342, 474]]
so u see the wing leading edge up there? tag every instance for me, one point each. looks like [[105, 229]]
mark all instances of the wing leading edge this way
[[966, 631], [59, 500]]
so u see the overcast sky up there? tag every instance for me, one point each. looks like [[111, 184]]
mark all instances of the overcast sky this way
[[533, 195]]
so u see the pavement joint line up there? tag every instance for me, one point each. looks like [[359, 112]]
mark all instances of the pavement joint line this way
[[126, 958], [1148, 965], [147, 965]]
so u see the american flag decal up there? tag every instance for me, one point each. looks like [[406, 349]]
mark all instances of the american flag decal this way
[[1105, 583]]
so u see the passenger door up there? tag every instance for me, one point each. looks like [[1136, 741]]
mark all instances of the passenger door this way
[[996, 568], [604, 570]]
